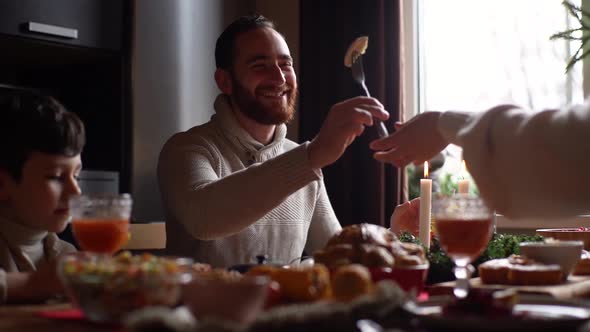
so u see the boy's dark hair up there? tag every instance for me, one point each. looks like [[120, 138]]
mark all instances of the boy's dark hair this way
[[32, 122], [224, 47]]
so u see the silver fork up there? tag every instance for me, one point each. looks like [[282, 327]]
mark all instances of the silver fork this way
[[358, 73]]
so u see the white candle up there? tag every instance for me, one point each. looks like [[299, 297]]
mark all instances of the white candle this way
[[463, 184], [425, 207]]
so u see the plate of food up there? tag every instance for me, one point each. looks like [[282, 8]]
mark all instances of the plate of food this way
[[486, 310]]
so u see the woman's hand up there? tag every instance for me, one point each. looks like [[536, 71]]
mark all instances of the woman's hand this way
[[405, 218], [415, 141]]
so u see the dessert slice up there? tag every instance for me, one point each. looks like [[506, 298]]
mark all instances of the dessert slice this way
[[494, 271], [535, 274], [519, 270]]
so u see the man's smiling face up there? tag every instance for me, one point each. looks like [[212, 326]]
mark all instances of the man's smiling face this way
[[264, 84]]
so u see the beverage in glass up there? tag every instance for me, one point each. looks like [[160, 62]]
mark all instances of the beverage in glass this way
[[464, 226], [100, 223]]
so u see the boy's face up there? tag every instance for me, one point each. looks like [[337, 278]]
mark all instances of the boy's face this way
[[41, 198]]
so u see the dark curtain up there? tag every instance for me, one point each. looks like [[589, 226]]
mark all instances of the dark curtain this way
[[360, 188]]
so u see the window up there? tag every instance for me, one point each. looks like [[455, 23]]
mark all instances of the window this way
[[471, 55], [477, 54]]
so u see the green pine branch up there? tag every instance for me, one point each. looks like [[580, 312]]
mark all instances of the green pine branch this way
[[567, 34], [582, 18]]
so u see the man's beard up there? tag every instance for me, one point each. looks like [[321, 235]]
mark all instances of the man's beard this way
[[261, 112]]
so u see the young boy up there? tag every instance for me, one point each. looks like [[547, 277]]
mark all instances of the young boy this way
[[40, 146]]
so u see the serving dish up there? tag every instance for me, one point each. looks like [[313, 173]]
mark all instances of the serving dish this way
[[107, 288], [408, 278], [566, 254], [568, 234]]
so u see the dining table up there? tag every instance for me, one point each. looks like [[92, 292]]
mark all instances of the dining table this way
[[64, 317], [575, 288]]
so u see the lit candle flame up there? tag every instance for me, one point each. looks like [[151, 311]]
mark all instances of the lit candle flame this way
[[463, 167], [425, 169]]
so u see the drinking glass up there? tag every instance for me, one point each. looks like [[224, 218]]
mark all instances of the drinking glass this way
[[464, 226], [100, 223]]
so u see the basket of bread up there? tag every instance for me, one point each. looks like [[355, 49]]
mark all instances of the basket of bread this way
[[350, 266], [378, 251]]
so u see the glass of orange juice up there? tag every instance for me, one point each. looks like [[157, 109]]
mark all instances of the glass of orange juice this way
[[464, 226], [100, 223]]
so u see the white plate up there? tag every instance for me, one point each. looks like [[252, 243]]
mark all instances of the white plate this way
[[543, 313]]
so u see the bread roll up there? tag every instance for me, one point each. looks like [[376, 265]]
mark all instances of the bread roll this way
[[303, 284], [494, 271], [351, 281]]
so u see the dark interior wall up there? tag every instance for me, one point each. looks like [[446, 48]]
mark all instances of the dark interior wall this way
[[324, 81], [89, 74], [360, 189], [173, 84], [285, 15], [232, 9]]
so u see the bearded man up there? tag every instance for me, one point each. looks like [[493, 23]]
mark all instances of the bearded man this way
[[235, 187]]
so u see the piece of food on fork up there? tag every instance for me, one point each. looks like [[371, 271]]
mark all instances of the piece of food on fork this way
[[356, 48], [354, 60]]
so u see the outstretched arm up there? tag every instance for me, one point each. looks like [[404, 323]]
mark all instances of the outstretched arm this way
[[525, 164], [212, 205], [405, 218]]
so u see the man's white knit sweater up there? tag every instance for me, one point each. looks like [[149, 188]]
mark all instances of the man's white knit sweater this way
[[229, 198]]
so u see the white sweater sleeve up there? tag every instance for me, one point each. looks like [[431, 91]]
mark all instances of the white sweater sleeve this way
[[527, 164], [210, 206], [324, 223]]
